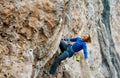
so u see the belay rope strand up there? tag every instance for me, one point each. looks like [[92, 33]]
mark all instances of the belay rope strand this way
[[68, 17], [16, 3]]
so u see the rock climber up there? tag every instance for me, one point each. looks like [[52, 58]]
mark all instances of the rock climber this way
[[68, 50]]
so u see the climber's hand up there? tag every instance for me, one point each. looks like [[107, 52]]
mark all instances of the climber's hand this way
[[86, 61], [67, 59], [62, 62]]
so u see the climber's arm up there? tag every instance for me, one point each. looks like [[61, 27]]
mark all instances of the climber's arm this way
[[71, 39], [85, 52]]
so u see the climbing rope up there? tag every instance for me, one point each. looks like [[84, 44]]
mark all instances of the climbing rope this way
[[37, 69], [68, 17], [69, 21], [16, 4]]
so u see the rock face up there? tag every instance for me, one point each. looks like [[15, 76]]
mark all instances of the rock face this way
[[30, 32]]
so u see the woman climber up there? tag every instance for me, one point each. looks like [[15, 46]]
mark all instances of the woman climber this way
[[68, 50]]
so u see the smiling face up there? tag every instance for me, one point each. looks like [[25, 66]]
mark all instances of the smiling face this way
[[85, 37]]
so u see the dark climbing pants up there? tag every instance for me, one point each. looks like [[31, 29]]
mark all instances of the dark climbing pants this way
[[66, 53]]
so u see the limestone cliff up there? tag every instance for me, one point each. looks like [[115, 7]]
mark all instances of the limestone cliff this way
[[30, 32]]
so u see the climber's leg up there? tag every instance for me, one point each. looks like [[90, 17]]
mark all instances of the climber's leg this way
[[63, 46], [57, 61]]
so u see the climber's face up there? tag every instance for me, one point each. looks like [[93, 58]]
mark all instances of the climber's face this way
[[85, 37]]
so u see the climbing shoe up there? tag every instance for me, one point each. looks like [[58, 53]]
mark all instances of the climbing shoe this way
[[77, 57]]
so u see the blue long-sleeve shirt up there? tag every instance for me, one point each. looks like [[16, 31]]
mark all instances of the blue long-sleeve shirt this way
[[78, 45]]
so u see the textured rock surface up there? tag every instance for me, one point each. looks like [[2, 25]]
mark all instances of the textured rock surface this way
[[30, 32]]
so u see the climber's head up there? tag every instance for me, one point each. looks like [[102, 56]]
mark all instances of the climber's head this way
[[86, 37]]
